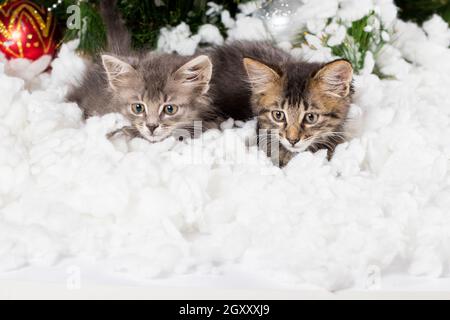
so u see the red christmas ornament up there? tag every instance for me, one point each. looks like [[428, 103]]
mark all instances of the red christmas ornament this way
[[27, 30]]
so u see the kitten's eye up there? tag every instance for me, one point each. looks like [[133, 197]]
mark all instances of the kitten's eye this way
[[312, 118], [278, 116], [170, 109], [137, 108]]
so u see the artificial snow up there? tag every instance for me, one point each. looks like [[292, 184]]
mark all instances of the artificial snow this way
[[382, 203]]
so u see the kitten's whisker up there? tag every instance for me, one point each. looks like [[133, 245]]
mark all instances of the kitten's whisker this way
[[325, 143]]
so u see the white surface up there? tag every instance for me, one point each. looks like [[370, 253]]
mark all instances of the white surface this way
[[80, 280], [20, 290]]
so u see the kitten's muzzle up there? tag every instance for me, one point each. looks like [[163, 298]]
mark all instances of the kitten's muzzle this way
[[293, 141], [152, 127]]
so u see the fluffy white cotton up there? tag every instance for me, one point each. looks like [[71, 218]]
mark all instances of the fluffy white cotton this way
[[312, 11], [26, 69], [210, 34], [250, 7], [309, 52], [178, 39], [337, 34], [415, 45], [351, 10], [248, 28], [387, 11], [227, 20], [437, 30], [382, 202]]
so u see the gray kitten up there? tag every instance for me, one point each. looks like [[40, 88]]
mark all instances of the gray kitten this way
[[158, 93]]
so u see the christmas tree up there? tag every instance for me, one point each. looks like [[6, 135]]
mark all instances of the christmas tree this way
[[144, 18], [420, 10]]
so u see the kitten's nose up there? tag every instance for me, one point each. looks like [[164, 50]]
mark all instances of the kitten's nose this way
[[293, 141], [152, 127]]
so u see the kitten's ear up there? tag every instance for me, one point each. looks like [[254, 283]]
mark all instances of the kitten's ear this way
[[262, 78], [335, 78], [195, 74], [120, 74]]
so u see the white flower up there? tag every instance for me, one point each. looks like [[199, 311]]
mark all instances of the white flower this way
[[214, 9], [322, 54], [313, 41], [316, 25], [377, 10], [369, 63], [375, 22], [227, 20], [332, 28], [337, 37]]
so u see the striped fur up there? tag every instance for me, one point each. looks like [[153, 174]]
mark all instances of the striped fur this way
[[122, 77], [314, 100]]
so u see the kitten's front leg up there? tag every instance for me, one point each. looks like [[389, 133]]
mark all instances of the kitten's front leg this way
[[128, 131], [285, 156], [282, 158]]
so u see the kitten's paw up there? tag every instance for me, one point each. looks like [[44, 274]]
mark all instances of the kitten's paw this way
[[128, 132]]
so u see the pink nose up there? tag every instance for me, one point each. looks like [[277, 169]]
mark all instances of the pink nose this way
[[293, 141], [152, 127]]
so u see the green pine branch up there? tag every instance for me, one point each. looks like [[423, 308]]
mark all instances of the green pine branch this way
[[358, 42], [92, 34], [421, 10], [144, 19]]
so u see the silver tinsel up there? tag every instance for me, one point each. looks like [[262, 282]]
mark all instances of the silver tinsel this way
[[278, 16]]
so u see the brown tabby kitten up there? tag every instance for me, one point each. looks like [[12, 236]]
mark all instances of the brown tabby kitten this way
[[159, 94], [307, 117], [302, 105]]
